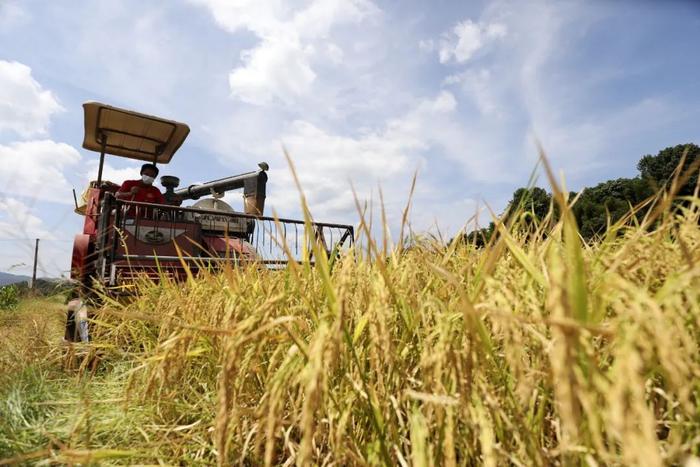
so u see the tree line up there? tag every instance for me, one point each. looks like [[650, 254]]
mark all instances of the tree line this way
[[609, 201]]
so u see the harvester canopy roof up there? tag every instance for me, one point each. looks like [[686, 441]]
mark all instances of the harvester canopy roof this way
[[131, 134]]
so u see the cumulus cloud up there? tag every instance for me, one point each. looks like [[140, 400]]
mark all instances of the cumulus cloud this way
[[280, 65], [36, 170], [25, 107], [276, 68], [465, 39]]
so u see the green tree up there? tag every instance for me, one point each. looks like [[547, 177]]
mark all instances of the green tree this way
[[658, 170], [479, 237], [612, 198], [535, 201]]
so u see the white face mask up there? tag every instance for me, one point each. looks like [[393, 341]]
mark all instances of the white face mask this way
[[147, 180]]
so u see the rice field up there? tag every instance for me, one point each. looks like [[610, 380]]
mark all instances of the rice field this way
[[539, 349]]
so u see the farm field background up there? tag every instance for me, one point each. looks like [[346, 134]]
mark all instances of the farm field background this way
[[537, 349]]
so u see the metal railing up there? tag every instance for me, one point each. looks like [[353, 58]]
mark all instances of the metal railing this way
[[270, 241]]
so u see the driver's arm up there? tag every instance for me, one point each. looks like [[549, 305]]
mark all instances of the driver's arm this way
[[126, 191]]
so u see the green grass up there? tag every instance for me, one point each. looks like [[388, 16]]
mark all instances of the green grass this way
[[538, 349]]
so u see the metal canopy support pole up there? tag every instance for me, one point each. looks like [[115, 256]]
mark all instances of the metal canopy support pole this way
[[102, 160], [158, 151]]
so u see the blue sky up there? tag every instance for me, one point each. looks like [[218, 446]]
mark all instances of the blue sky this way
[[358, 91]]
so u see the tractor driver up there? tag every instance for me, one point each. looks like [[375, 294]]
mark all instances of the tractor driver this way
[[143, 190]]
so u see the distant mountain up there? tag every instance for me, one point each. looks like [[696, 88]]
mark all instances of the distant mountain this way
[[7, 278]]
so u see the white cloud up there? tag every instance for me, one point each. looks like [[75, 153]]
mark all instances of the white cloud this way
[[17, 220], [36, 170], [280, 66], [430, 135], [328, 162], [25, 107], [524, 88], [335, 53], [466, 38], [477, 85], [316, 20], [276, 68], [260, 17], [496, 30], [109, 173]]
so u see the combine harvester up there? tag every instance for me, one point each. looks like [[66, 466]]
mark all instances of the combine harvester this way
[[123, 240]]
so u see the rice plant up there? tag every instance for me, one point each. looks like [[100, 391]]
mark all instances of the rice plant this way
[[538, 349]]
